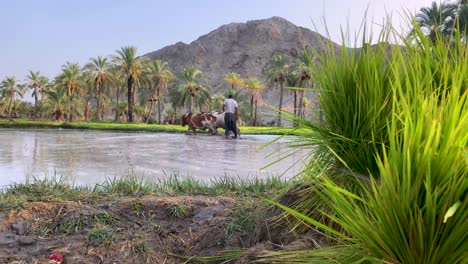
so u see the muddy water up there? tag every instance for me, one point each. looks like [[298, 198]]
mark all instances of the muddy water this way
[[89, 156]]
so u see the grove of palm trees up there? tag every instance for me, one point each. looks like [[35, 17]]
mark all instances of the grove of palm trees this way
[[384, 180], [94, 91]]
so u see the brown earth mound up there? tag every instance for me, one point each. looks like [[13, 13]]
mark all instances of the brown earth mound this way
[[129, 230], [148, 229]]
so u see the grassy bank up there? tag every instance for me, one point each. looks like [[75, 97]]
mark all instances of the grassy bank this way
[[56, 189], [27, 123]]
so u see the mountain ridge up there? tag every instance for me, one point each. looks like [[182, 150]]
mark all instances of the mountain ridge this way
[[245, 48]]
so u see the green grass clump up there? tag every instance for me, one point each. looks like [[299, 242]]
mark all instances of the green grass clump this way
[[52, 188], [57, 188], [104, 218], [100, 236], [178, 210], [243, 225], [176, 185], [403, 148], [72, 225], [131, 185], [355, 98]]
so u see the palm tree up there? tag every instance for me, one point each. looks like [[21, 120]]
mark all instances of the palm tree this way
[[106, 103], [43, 87], [462, 17], [132, 69], [10, 89], [255, 87], [2, 104], [21, 108], [99, 69], [292, 81], [55, 102], [70, 78], [37, 82], [89, 88], [435, 20], [302, 66], [119, 84], [217, 102], [176, 98], [62, 105], [233, 79], [160, 75], [278, 70], [194, 92]]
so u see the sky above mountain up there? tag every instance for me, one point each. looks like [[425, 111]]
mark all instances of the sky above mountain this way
[[43, 35]]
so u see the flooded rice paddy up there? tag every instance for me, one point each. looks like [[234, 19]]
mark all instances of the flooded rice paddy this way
[[89, 156]]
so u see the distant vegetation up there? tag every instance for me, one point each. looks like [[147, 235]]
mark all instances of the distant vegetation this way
[[124, 87]]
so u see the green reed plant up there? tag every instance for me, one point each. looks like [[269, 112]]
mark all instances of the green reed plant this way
[[400, 214], [349, 130], [355, 95]]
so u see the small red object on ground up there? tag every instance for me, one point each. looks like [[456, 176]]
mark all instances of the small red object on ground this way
[[57, 257]]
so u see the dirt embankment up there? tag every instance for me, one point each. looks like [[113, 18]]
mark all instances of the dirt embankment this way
[[148, 229]]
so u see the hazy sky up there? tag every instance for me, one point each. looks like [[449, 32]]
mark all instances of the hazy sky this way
[[44, 34]]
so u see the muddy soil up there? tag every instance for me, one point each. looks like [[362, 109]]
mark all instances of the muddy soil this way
[[147, 229]]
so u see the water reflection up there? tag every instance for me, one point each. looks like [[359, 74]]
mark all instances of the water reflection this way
[[88, 157]]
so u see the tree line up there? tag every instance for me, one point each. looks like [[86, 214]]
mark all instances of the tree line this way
[[97, 88], [92, 91], [440, 21]]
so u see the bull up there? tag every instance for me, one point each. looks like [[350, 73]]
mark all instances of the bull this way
[[200, 121]]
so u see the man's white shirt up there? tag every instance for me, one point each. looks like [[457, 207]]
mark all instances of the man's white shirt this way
[[230, 105]]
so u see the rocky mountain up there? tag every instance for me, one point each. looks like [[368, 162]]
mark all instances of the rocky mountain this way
[[245, 48]]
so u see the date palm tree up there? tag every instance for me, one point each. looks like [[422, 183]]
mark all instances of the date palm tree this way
[[292, 82], [278, 70], [302, 66], [37, 82], [70, 78], [435, 20], [462, 17], [55, 102], [89, 90], [132, 69], [99, 70], [120, 83], [11, 89], [61, 105], [233, 79], [194, 90], [176, 98], [217, 102], [160, 75], [255, 87]]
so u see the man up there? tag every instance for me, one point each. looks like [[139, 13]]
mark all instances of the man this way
[[231, 111]]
